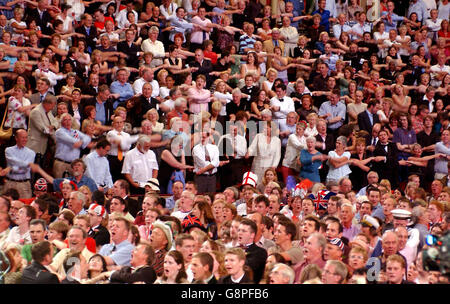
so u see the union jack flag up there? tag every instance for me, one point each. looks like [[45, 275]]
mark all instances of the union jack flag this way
[[321, 201], [190, 221]]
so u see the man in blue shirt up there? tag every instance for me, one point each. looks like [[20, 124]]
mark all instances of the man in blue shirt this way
[[325, 14], [98, 166], [121, 90], [118, 252], [68, 144], [19, 160], [390, 19], [333, 112]]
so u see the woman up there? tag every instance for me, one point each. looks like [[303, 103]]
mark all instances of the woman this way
[[386, 110], [19, 109], [229, 212], [338, 161], [198, 96], [416, 163], [202, 210], [217, 208], [225, 34], [311, 129], [359, 164], [174, 269], [267, 85], [172, 165], [172, 62], [270, 175], [344, 82], [96, 270], [311, 160], [307, 107], [444, 31], [357, 258], [296, 143], [300, 90], [257, 106], [219, 269], [70, 84], [84, 57], [344, 42], [223, 95], [266, 149], [281, 64], [401, 102], [265, 31], [150, 216], [251, 67], [416, 120], [153, 116], [87, 194]]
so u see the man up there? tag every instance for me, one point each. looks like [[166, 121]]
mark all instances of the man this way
[[334, 272], [396, 270], [386, 161], [389, 244], [346, 216], [201, 66], [141, 270], [341, 26], [281, 274], [202, 267], [36, 272], [130, 48], [121, 143], [374, 196], [201, 33], [38, 232], [439, 71], [89, 31], [73, 58], [206, 162], [149, 98], [441, 163], [334, 228], [234, 264], [121, 89], [100, 18], [390, 19], [177, 190], [368, 118], [283, 236], [97, 231], [179, 24], [19, 161], [76, 203], [184, 205], [154, 46], [372, 179], [234, 147], [361, 27], [255, 255], [103, 105], [69, 143], [248, 38], [329, 57], [313, 253], [333, 112], [261, 205], [281, 105], [325, 14], [122, 16], [408, 243], [42, 87], [97, 166], [77, 239], [118, 204], [311, 224], [435, 211], [161, 241], [42, 125], [260, 240], [140, 165], [334, 250], [185, 243], [118, 252]]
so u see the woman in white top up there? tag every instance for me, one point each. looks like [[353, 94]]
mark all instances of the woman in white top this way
[[66, 19], [311, 129], [18, 25], [296, 143], [271, 75], [19, 108], [153, 116], [338, 161], [380, 36], [223, 95], [266, 149]]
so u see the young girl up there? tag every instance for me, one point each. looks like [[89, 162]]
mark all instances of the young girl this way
[[150, 217]]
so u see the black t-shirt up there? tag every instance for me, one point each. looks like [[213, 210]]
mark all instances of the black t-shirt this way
[[233, 108]]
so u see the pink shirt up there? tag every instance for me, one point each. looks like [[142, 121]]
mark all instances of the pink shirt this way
[[199, 100]]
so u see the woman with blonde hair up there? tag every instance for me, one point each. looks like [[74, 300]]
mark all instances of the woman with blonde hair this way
[[87, 194], [271, 75], [153, 116], [270, 175]]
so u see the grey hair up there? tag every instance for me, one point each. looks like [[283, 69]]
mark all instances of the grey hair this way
[[343, 140], [80, 196], [285, 271], [311, 138], [179, 101], [143, 139], [340, 269]]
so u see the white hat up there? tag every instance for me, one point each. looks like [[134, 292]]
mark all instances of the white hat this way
[[370, 221], [249, 178], [401, 214], [153, 183]]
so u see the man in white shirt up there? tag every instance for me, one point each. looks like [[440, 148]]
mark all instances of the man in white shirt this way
[[140, 165], [147, 76], [439, 71], [281, 105], [154, 46], [340, 27], [201, 34], [206, 162], [433, 24], [183, 205], [360, 27]]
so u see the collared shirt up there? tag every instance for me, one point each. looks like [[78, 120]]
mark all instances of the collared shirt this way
[[199, 36], [18, 159], [123, 89], [64, 143], [338, 29], [337, 110], [361, 29], [119, 253], [435, 69], [419, 8], [97, 168], [52, 77], [205, 155], [246, 42], [325, 14], [126, 140], [180, 26], [122, 19], [351, 232], [330, 5], [156, 48], [140, 165], [100, 112], [392, 23]]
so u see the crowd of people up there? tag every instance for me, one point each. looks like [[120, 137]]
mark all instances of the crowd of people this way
[[230, 142]]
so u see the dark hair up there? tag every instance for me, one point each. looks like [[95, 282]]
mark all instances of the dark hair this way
[[104, 264], [314, 219], [102, 144], [40, 250], [205, 259], [39, 222], [250, 223], [290, 227], [12, 192], [336, 220], [178, 257]]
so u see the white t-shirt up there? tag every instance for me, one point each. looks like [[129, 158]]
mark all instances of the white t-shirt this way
[[338, 173]]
